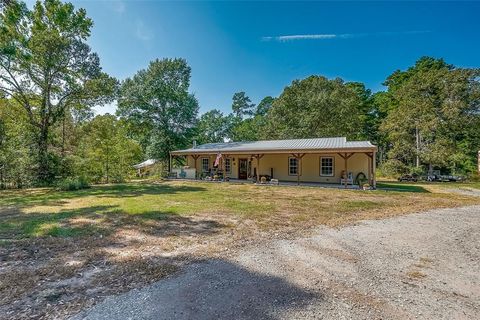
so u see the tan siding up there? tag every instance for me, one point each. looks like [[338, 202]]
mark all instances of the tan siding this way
[[309, 166]]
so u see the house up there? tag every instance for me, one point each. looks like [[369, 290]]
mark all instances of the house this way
[[321, 160]]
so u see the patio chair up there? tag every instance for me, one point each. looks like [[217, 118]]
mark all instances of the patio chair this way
[[349, 178]]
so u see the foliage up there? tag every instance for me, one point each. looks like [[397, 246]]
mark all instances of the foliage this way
[[242, 105], [105, 153], [16, 161], [212, 126], [249, 129], [392, 168], [428, 118], [157, 99], [264, 106], [47, 67], [315, 107], [433, 111], [73, 184]]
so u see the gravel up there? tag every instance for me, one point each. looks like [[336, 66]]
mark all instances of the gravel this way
[[424, 266]]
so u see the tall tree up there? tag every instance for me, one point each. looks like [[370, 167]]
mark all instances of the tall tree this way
[[47, 67], [157, 98], [212, 126], [432, 113], [242, 105], [15, 140], [105, 152], [264, 106], [251, 128], [315, 107]]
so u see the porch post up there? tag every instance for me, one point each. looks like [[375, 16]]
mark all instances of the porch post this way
[[345, 157], [370, 167], [195, 157], [258, 168], [224, 156], [298, 170], [374, 167], [299, 157], [170, 164], [258, 157]]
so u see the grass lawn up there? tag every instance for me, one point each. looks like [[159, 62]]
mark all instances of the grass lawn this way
[[61, 250]]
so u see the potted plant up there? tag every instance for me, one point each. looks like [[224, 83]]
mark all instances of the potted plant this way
[[366, 186], [263, 180]]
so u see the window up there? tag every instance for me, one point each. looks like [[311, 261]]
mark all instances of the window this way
[[292, 166], [205, 164], [228, 166], [326, 166]]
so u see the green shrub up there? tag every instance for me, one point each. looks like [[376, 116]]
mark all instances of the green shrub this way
[[72, 184], [474, 177], [419, 171], [392, 168]]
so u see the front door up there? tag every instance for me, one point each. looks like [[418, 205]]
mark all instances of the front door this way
[[242, 168]]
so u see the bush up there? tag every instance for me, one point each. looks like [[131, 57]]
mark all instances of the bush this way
[[72, 184], [392, 168], [418, 171], [474, 177]]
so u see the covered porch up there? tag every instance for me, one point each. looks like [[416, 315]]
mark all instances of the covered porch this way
[[300, 168]]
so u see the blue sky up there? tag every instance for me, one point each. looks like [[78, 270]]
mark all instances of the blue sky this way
[[261, 47]]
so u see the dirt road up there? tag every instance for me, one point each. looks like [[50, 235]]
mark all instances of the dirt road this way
[[424, 266]]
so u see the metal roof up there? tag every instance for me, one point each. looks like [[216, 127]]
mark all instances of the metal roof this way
[[144, 164], [339, 143]]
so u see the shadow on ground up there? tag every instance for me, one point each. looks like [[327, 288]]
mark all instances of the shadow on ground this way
[[212, 289], [101, 220], [401, 187], [52, 197], [78, 256]]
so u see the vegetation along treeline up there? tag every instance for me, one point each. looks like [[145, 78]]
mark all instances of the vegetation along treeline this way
[[50, 80]]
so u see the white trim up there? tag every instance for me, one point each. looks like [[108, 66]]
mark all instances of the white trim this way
[[333, 167], [208, 164], [298, 166], [229, 171]]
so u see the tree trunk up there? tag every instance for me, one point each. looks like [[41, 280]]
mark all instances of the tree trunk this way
[[2, 182], [417, 138], [43, 175]]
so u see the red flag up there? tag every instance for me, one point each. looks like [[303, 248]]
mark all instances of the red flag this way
[[217, 160]]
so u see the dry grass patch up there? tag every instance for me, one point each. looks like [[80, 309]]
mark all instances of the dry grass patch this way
[[416, 275]]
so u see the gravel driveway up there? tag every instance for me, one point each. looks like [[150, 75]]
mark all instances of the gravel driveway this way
[[423, 266]]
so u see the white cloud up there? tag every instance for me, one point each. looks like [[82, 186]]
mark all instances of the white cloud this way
[[326, 36], [143, 32], [300, 37]]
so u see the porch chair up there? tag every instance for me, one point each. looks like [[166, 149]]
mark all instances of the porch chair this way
[[349, 178]]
